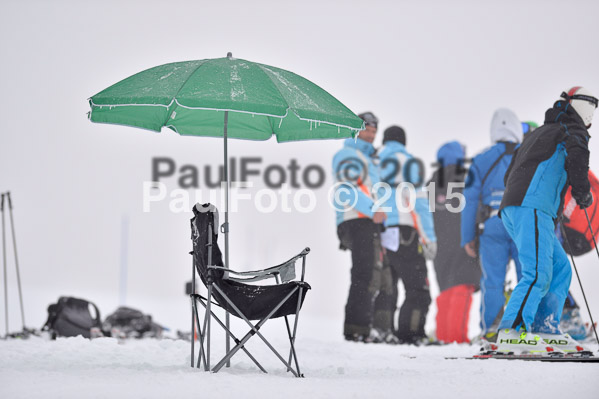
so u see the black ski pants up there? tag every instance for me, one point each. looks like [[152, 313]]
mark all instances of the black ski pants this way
[[409, 265], [362, 238]]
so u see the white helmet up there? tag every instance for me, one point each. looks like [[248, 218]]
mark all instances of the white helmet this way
[[583, 102]]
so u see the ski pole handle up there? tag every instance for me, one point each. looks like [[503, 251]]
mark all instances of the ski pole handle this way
[[2, 203], [9, 201]]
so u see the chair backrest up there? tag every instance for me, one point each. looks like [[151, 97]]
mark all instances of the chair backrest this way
[[204, 235]]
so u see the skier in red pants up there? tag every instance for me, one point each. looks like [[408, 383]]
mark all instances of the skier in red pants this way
[[458, 274]]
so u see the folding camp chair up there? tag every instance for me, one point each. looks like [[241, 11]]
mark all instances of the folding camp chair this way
[[248, 302]]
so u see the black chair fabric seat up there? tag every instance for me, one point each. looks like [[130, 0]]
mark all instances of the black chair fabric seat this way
[[256, 301]]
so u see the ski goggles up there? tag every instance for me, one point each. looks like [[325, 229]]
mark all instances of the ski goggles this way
[[583, 97]]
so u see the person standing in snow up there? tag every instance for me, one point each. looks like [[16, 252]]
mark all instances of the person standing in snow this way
[[358, 226], [484, 191], [458, 274], [553, 157], [409, 241]]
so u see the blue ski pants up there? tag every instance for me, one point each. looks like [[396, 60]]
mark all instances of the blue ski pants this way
[[496, 249], [537, 301]]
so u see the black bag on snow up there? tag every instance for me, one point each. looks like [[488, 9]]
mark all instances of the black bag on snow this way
[[70, 317], [132, 323]]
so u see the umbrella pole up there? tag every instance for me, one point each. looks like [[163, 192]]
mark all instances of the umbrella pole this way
[[226, 232]]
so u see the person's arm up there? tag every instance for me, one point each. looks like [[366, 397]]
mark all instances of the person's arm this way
[[472, 195], [426, 227], [577, 166]]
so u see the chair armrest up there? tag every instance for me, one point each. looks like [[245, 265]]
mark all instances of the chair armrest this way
[[285, 270]]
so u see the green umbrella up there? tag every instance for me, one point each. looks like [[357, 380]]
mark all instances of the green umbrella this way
[[225, 97], [190, 98]]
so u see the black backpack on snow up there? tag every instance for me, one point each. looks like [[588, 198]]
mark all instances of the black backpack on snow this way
[[70, 317], [132, 323]]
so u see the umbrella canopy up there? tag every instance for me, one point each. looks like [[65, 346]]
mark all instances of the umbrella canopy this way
[[189, 97]]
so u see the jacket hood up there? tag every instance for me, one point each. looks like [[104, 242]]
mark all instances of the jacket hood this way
[[450, 153], [360, 145], [505, 126]]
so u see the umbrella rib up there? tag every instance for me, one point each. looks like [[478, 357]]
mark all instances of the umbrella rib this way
[[179, 91], [279, 91]]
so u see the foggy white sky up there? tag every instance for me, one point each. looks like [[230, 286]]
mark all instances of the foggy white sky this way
[[437, 68]]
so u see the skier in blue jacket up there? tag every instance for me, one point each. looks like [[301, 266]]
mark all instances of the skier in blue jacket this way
[[484, 191], [358, 227], [409, 239], [551, 158]]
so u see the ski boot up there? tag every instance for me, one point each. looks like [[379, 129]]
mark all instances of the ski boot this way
[[387, 337], [373, 337], [573, 325], [513, 342]]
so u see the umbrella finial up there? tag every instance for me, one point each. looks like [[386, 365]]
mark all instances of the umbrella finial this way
[[229, 55]]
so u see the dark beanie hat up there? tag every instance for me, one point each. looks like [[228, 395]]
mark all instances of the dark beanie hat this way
[[394, 133]]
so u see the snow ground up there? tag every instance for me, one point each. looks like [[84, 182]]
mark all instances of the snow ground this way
[[104, 368]]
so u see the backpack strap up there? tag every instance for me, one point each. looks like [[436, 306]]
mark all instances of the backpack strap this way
[[98, 319], [483, 215], [53, 311], [509, 150]]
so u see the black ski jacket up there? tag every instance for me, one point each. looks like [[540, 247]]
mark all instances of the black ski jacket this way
[[452, 265], [550, 159]]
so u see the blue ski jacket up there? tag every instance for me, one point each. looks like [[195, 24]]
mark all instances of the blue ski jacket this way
[[397, 165], [492, 164], [354, 173]]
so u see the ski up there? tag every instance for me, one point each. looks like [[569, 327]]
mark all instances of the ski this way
[[582, 357]]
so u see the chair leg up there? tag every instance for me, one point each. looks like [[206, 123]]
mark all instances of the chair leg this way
[[228, 340], [201, 335], [292, 353], [193, 328], [232, 352], [207, 326], [290, 340], [255, 330], [237, 341]]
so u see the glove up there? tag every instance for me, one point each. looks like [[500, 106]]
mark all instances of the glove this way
[[429, 250], [585, 201]]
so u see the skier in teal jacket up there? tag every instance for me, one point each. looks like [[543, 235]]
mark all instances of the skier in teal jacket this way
[[551, 158], [408, 248]]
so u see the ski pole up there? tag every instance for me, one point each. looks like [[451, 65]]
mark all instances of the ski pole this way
[[579, 282], [592, 232], [4, 263], [14, 242]]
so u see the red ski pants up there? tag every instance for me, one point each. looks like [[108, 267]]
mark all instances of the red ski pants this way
[[453, 310]]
